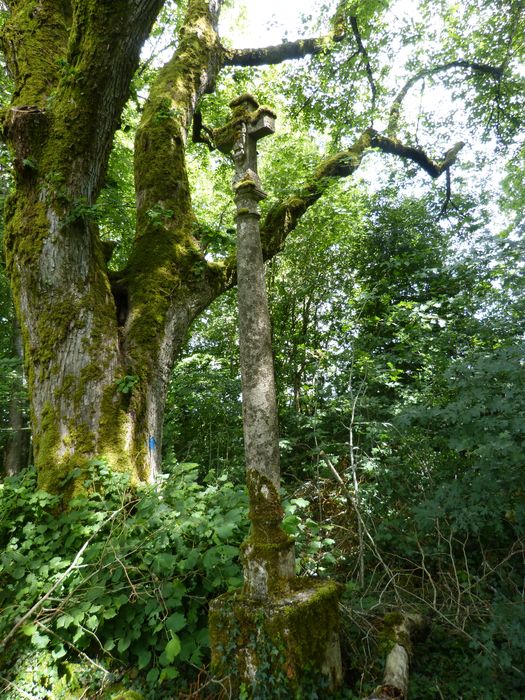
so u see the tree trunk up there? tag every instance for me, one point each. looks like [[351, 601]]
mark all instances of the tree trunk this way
[[99, 346], [60, 128], [16, 456], [400, 630]]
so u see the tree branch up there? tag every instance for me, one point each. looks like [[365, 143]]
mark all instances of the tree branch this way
[[448, 196], [395, 110], [200, 132], [283, 218], [282, 52], [366, 59], [416, 155], [166, 264]]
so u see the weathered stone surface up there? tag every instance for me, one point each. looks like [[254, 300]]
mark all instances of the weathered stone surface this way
[[291, 639]]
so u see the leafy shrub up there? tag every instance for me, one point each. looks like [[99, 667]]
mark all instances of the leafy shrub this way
[[119, 580]]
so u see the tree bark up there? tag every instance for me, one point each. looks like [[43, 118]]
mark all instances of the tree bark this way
[[16, 456]]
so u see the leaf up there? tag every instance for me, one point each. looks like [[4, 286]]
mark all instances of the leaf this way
[[152, 676], [224, 530], [144, 657], [301, 502], [64, 621], [175, 622], [164, 563], [59, 652], [173, 648], [40, 640], [123, 644], [168, 673]]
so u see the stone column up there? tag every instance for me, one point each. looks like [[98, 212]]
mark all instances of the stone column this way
[[268, 555], [296, 618]]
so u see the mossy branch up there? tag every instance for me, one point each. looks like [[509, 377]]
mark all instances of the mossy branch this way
[[418, 156], [290, 50], [283, 218], [168, 277]]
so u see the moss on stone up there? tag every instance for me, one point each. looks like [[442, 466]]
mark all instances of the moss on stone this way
[[301, 627], [393, 630], [246, 110]]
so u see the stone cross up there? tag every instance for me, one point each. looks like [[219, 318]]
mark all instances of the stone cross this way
[[268, 554], [298, 618]]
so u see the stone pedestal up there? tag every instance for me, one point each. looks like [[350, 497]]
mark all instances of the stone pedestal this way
[[288, 642]]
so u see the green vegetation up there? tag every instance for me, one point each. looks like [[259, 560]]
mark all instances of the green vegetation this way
[[117, 584], [394, 237]]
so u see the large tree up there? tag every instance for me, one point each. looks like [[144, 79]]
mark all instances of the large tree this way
[[99, 345]]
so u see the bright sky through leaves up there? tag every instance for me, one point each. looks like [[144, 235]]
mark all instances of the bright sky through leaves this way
[[252, 23]]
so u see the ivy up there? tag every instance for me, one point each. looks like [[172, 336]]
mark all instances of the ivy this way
[[136, 595]]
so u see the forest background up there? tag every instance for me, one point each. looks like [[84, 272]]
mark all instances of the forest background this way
[[397, 309]]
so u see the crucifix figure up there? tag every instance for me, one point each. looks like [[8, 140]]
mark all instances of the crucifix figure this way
[[268, 554]]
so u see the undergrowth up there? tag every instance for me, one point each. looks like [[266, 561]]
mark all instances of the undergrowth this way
[[112, 593], [108, 599]]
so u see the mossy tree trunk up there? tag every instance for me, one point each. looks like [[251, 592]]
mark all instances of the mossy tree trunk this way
[[88, 334], [72, 64], [18, 445]]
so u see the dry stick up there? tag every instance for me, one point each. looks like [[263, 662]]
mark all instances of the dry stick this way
[[352, 502], [57, 583]]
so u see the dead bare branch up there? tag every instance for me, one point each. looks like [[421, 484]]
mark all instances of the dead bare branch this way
[[480, 68]]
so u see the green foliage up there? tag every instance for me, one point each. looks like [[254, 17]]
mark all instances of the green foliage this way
[[158, 214], [398, 353], [81, 209], [126, 384], [116, 202], [135, 597], [203, 414]]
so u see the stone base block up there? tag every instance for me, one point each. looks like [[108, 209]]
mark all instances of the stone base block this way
[[284, 642]]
